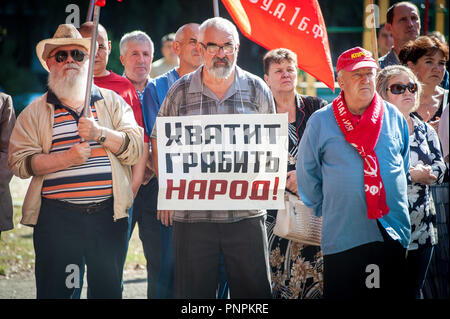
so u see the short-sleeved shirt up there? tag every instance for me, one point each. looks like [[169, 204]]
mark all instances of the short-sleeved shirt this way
[[89, 182], [189, 96], [126, 90], [154, 95]]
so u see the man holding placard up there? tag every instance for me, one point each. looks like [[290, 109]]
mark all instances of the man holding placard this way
[[200, 236]]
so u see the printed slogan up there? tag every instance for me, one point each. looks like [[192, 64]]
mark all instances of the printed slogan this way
[[218, 162]]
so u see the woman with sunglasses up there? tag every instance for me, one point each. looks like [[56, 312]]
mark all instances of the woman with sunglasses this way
[[399, 86], [426, 57], [296, 268]]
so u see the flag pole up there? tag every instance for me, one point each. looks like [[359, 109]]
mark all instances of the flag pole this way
[[92, 52], [90, 10], [216, 8], [374, 36]]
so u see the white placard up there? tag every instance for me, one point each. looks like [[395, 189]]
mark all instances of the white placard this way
[[222, 162]]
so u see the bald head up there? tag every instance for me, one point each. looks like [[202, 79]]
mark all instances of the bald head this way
[[185, 47], [103, 46], [87, 28], [180, 35]]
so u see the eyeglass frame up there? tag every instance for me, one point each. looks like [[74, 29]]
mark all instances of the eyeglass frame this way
[[218, 48]]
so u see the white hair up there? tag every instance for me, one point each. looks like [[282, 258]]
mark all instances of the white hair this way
[[135, 36], [71, 86], [219, 24]]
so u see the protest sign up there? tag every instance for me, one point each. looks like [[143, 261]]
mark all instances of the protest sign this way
[[222, 162]]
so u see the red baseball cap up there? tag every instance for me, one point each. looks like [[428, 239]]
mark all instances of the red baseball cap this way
[[355, 58]]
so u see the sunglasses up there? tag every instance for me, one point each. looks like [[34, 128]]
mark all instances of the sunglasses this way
[[61, 56], [401, 88]]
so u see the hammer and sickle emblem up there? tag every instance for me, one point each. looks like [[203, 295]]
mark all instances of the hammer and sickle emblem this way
[[372, 167]]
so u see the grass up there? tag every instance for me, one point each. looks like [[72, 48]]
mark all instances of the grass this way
[[16, 246]]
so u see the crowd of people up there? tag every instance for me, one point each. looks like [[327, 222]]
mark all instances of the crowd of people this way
[[373, 163]]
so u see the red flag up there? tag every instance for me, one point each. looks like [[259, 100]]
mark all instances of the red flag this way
[[102, 3], [297, 25]]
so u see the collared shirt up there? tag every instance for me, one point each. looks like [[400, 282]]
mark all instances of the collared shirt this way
[[331, 181], [189, 96], [139, 93], [86, 183], [154, 95], [389, 59]]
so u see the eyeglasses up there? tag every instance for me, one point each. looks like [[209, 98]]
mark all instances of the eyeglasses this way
[[61, 56], [213, 49], [401, 88]]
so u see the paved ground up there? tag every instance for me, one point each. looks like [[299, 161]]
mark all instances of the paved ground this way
[[23, 286]]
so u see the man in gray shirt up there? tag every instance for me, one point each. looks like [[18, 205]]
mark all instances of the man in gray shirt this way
[[219, 87]]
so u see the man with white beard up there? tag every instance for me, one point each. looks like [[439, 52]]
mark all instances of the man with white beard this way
[[80, 192], [200, 237]]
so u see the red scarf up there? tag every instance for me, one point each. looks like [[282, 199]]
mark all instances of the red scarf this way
[[364, 137]]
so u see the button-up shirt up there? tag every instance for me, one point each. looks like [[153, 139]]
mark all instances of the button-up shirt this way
[[330, 179], [189, 96]]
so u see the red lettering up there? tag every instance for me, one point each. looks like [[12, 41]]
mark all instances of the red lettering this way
[[265, 190], [181, 189], [233, 189], [201, 192], [213, 191]]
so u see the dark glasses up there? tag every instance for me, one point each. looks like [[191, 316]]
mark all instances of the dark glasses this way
[[401, 88], [76, 55]]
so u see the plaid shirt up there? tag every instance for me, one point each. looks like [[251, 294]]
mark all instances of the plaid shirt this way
[[389, 59], [188, 96]]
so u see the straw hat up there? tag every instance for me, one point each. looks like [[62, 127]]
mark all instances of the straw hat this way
[[66, 34]]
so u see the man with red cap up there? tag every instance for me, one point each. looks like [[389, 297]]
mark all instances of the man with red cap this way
[[352, 170]]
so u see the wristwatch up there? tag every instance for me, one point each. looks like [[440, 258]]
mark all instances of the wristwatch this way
[[102, 137]]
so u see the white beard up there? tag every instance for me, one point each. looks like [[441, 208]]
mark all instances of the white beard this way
[[72, 86], [221, 72]]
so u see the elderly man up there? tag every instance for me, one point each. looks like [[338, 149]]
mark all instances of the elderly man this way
[[80, 193], [7, 121], [351, 169], [219, 87], [136, 55], [403, 22], [169, 59]]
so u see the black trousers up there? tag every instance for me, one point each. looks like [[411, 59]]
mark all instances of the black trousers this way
[[198, 250], [374, 270], [144, 214], [63, 235]]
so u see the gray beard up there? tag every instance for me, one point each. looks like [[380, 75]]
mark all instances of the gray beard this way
[[71, 86], [221, 72]]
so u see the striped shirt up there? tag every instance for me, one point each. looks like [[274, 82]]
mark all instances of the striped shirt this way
[[90, 182], [188, 96]]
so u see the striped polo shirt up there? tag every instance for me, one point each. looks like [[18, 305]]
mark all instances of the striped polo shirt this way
[[90, 182]]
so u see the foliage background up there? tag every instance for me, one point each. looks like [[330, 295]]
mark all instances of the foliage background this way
[[23, 23]]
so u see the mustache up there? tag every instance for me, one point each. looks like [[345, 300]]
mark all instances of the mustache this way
[[71, 65], [224, 59]]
